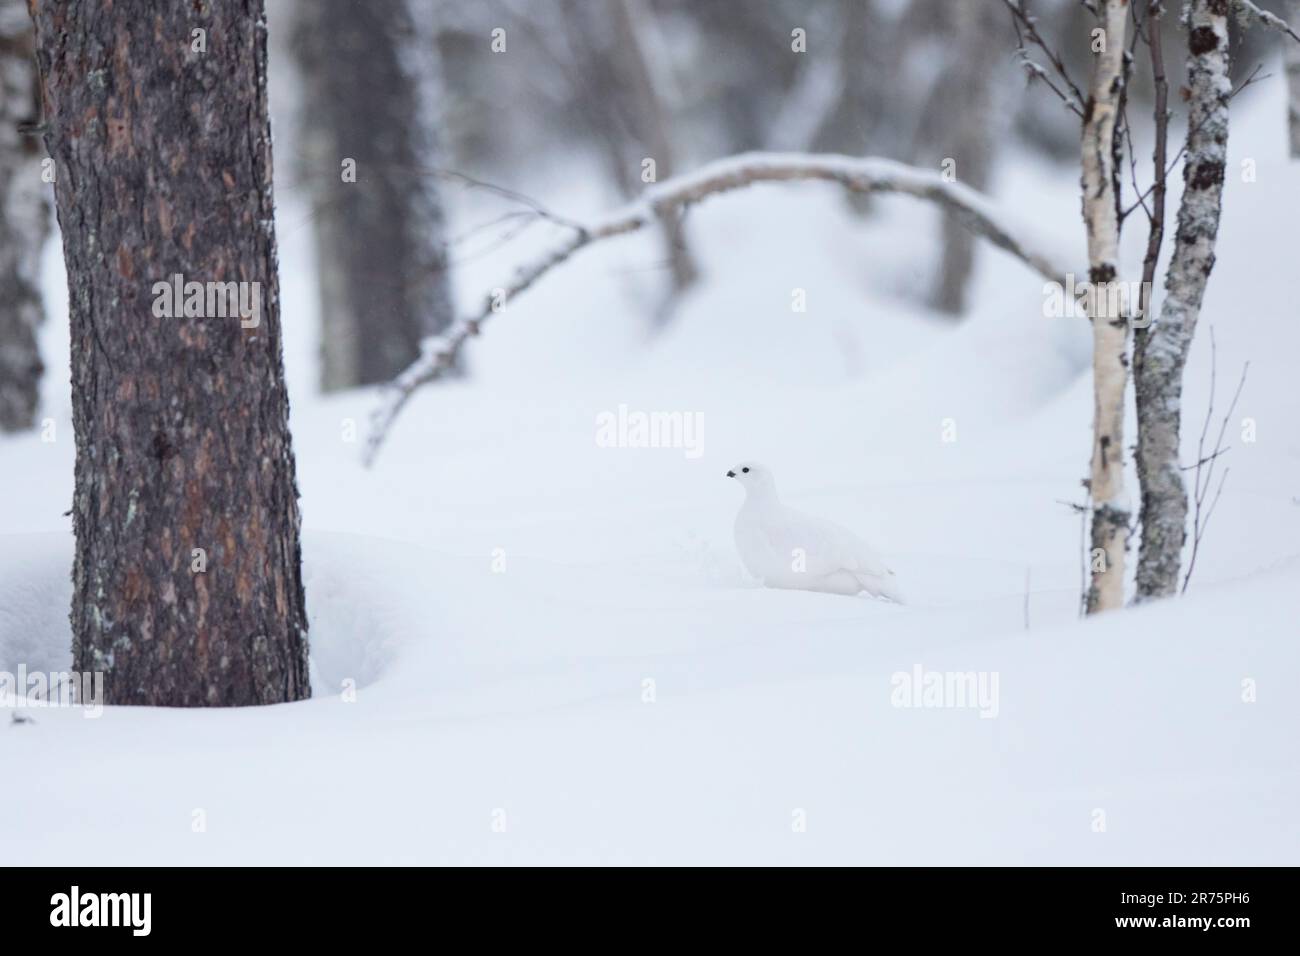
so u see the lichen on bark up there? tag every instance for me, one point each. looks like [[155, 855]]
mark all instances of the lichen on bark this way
[[1162, 351], [163, 154]]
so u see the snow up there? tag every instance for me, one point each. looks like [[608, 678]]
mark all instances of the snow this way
[[557, 657]]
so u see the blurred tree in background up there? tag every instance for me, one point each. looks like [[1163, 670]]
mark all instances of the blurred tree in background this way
[[24, 221], [369, 151]]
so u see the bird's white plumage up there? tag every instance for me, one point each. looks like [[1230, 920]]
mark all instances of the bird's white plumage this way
[[785, 548]]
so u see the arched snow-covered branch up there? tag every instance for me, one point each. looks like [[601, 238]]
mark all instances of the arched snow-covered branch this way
[[863, 175]]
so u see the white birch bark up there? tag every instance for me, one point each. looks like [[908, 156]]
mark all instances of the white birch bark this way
[[1158, 376], [1110, 509]]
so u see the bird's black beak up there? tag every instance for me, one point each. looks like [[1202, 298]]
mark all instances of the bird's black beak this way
[[731, 474]]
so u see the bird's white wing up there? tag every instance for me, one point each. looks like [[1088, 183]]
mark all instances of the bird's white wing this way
[[781, 543], [831, 547]]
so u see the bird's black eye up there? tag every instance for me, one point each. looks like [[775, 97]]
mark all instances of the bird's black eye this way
[[745, 470]]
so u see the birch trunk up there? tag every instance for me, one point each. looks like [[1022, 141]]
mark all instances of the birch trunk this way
[[1110, 509], [187, 588], [1158, 369], [24, 222]]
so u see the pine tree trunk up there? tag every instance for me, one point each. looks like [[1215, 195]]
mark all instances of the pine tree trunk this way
[[24, 222], [370, 95], [1110, 509], [1159, 362], [187, 588]]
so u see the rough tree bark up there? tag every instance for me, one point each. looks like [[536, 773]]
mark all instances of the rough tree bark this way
[[1110, 509], [1158, 374], [369, 94], [187, 588], [24, 221]]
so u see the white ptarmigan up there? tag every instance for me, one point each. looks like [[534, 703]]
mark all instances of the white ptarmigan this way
[[785, 548]]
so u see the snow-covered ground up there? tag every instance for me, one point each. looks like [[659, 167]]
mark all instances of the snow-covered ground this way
[[558, 657]]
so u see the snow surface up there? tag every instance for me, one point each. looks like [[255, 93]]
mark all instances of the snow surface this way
[[501, 715]]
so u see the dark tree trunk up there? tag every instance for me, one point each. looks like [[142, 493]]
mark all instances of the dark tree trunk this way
[[846, 125], [615, 84], [370, 95], [24, 221], [164, 168], [965, 129], [648, 116]]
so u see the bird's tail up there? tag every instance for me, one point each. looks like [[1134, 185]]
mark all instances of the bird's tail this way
[[882, 586]]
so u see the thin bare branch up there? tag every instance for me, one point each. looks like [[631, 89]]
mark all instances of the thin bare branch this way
[[439, 354], [1027, 22], [1268, 19], [1205, 464]]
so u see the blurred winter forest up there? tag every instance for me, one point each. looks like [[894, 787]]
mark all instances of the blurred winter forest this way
[[622, 93], [625, 93], [845, 237]]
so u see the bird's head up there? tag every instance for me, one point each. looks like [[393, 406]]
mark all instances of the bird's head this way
[[753, 476]]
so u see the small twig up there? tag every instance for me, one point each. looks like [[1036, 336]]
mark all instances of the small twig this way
[[1206, 460], [1253, 78], [1209, 512], [505, 217], [1206, 463], [1036, 71], [1023, 20], [502, 191], [1209, 411]]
